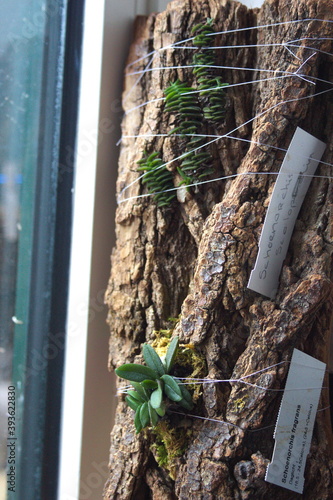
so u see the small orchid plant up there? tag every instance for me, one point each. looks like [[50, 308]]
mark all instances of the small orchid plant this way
[[154, 388]]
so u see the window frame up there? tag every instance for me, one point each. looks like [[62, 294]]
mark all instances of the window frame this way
[[43, 257]]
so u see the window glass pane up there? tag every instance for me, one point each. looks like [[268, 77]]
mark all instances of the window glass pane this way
[[21, 59]]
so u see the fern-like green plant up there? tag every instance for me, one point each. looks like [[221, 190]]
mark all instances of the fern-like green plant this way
[[190, 110], [210, 86], [154, 388], [157, 178], [181, 100]]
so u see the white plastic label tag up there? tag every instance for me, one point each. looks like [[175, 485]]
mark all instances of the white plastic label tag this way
[[294, 427], [300, 163]]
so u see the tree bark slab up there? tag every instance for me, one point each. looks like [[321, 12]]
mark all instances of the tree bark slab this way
[[194, 258]]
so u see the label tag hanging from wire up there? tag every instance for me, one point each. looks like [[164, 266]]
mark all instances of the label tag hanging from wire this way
[[294, 426], [298, 167]]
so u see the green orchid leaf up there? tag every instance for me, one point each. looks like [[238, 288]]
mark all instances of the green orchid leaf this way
[[152, 415], [185, 393], [187, 401], [161, 410], [156, 397], [141, 389], [171, 354], [135, 372], [171, 388], [149, 385], [137, 396], [132, 403], [144, 415], [152, 359], [137, 420], [185, 404]]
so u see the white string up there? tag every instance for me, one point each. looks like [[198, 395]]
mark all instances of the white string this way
[[228, 86], [284, 75], [202, 380], [159, 68], [177, 44], [192, 380], [224, 178], [310, 38], [211, 142], [209, 419], [206, 144], [225, 86], [229, 423], [285, 45], [137, 81], [260, 26], [257, 143]]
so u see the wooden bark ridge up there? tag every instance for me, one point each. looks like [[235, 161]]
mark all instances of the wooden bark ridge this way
[[192, 258]]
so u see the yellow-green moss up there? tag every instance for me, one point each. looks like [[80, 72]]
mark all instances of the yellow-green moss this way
[[195, 363], [162, 341], [170, 444], [187, 357]]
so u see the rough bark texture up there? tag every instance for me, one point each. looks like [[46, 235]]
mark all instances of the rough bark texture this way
[[194, 258]]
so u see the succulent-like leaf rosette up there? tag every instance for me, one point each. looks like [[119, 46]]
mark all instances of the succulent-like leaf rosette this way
[[154, 387]]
